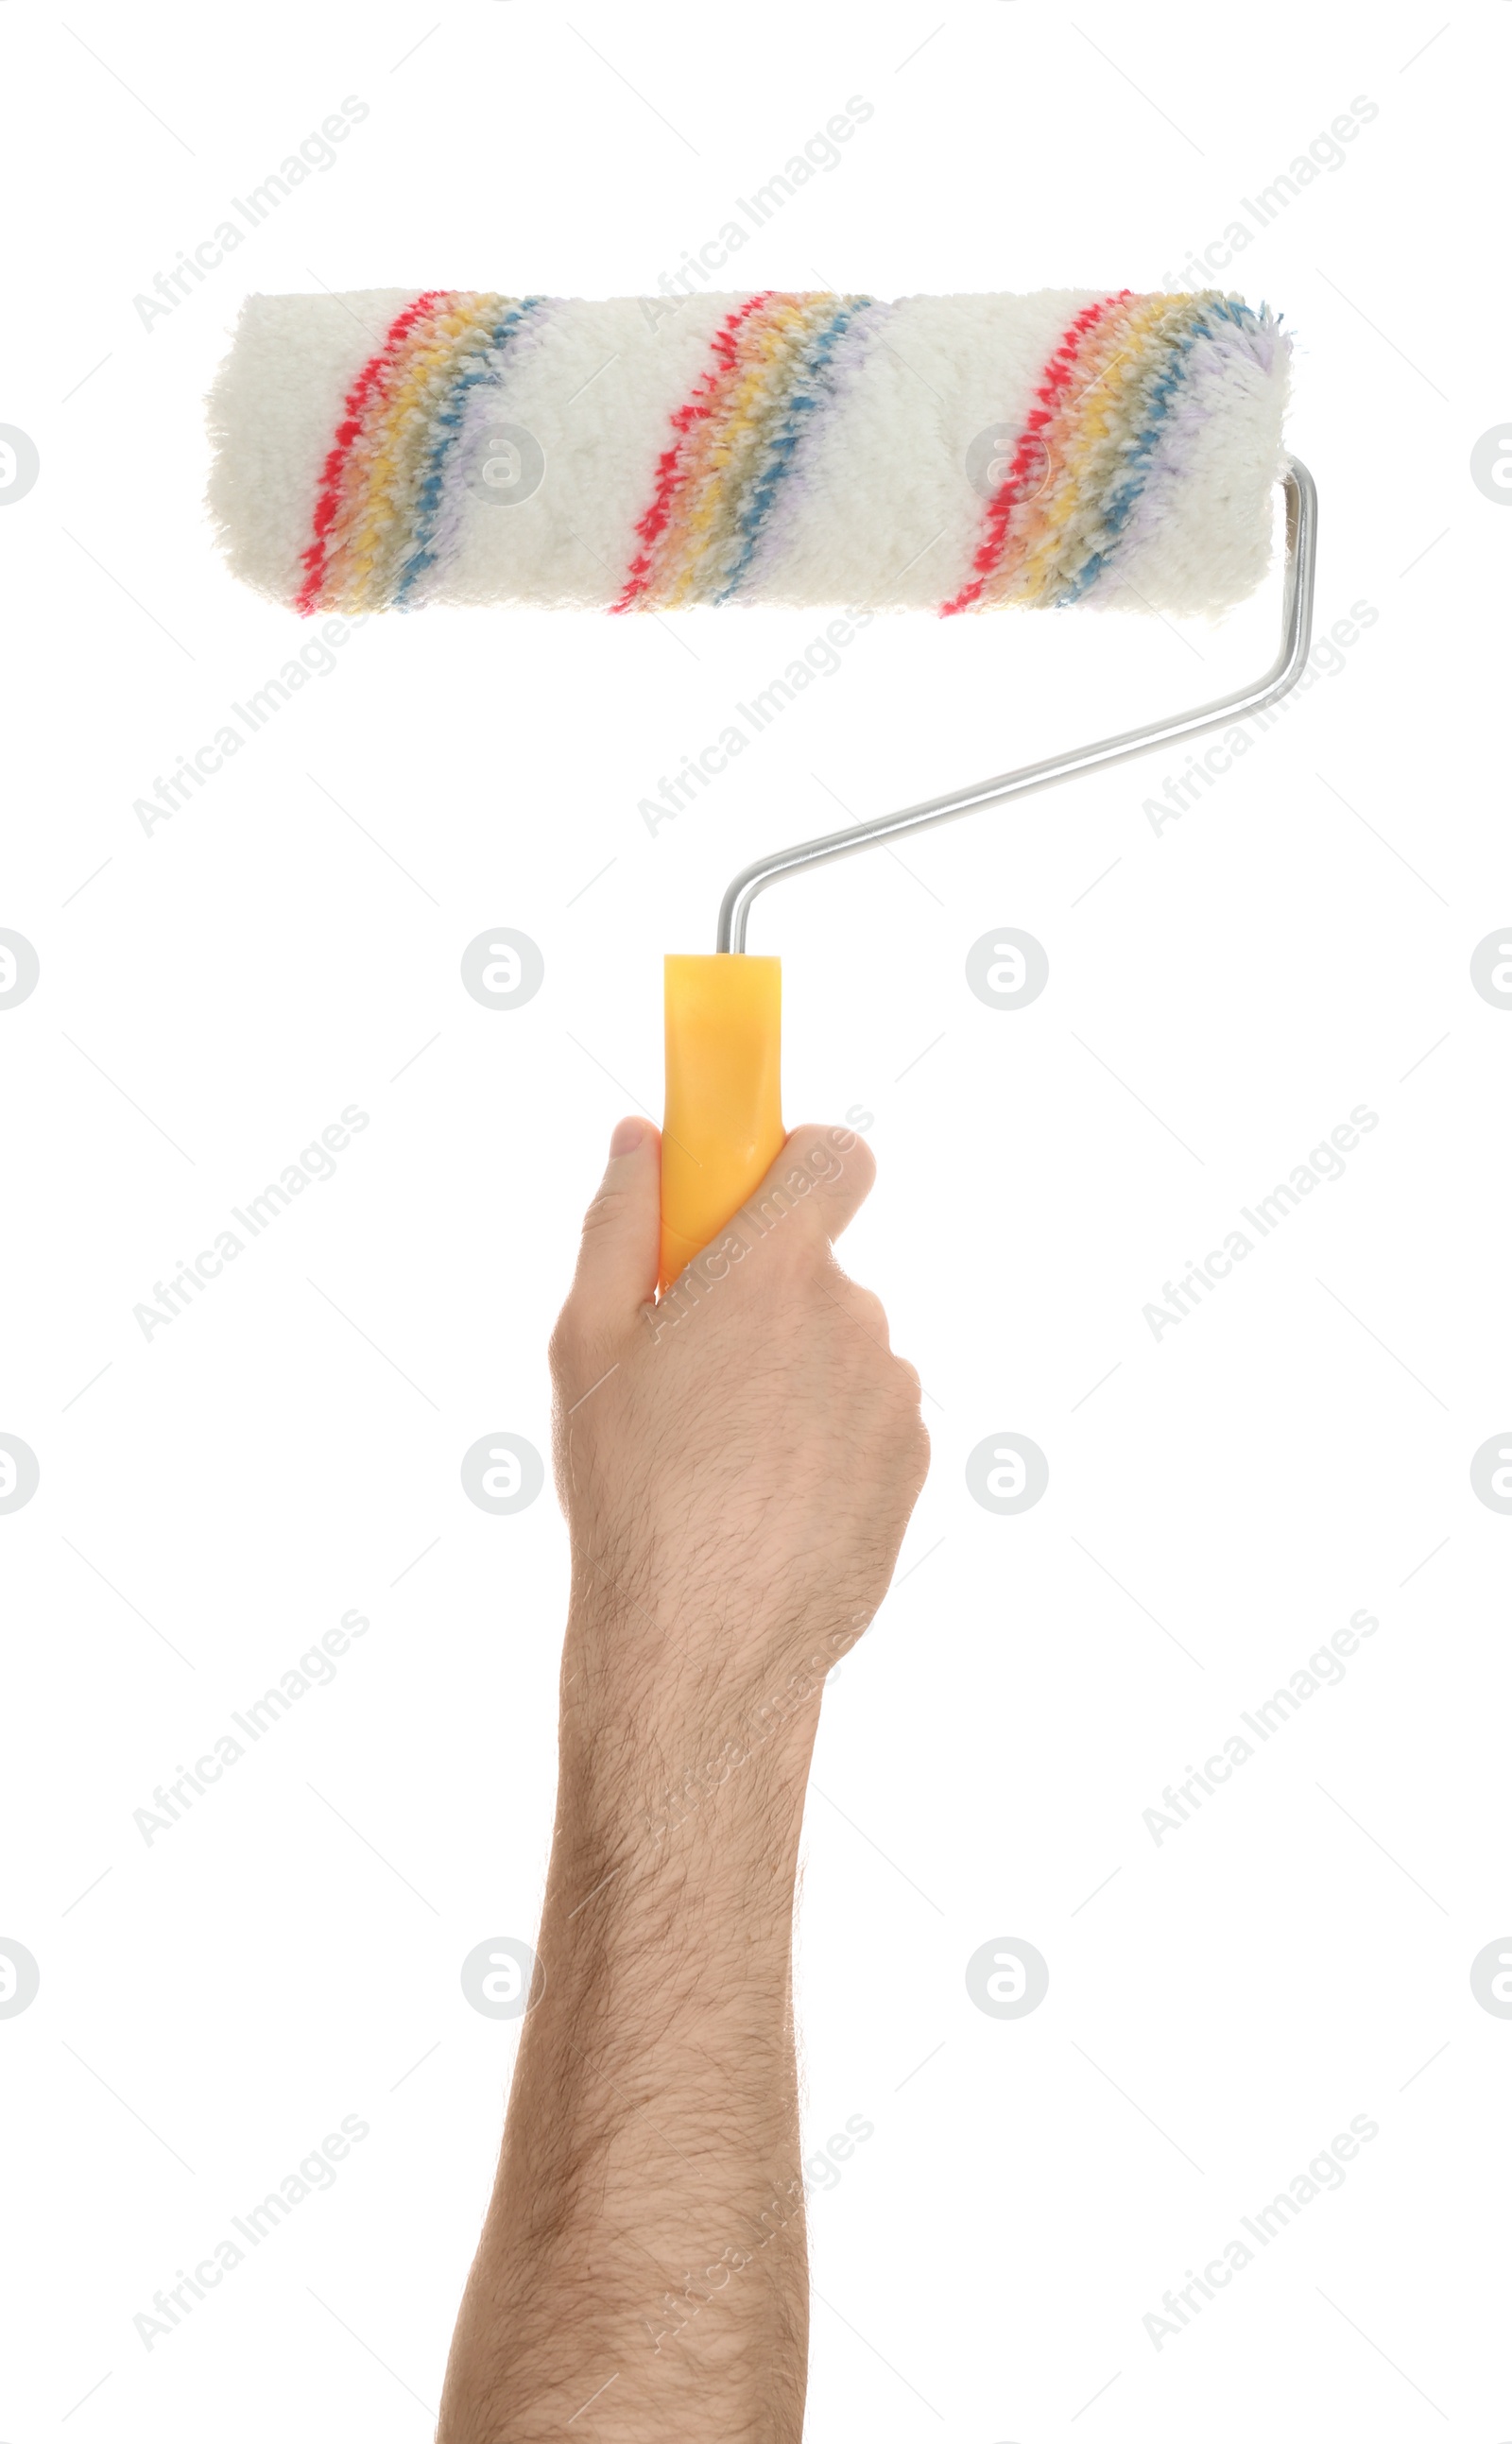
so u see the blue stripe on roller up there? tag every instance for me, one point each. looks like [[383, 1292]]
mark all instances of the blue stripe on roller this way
[[1122, 500], [811, 379], [485, 368]]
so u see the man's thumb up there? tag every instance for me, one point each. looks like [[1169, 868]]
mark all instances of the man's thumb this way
[[621, 1231]]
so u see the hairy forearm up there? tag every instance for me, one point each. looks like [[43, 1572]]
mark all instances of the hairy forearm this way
[[644, 2249], [736, 1483]]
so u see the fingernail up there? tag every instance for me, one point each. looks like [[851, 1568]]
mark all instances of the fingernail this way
[[627, 1136]]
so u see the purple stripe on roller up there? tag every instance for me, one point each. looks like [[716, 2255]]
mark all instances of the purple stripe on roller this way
[[485, 408], [1234, 354], [786, 515]]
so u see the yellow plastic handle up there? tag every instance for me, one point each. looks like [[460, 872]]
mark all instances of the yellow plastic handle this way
[[723, 1128]]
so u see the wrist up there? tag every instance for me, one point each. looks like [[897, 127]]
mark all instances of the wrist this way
[[681, 1690], [667, 1769], [681, 1754]]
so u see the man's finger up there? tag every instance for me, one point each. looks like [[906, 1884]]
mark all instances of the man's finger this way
[[616, 1263], [826, 1172]]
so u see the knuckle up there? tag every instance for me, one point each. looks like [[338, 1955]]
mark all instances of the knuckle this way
[[861, 1309], [565, 1345], [857, 1158], [870, 1314], [828, 1154], [604, 1214]]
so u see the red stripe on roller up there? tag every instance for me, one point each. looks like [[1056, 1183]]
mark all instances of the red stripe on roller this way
[[1059, 370], [359, 399], [654, 524]]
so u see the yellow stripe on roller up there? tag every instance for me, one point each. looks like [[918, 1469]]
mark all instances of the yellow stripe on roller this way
[[390, 464], [352, 517], [1083, 423], [725, 446], [1094, 421]]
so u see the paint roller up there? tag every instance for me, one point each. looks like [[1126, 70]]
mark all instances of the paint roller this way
[[389, 449]]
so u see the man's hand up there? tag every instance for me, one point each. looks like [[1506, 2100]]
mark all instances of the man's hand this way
[[738, 1464]]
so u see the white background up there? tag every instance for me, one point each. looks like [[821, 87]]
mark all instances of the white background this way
[[1222, 993]]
